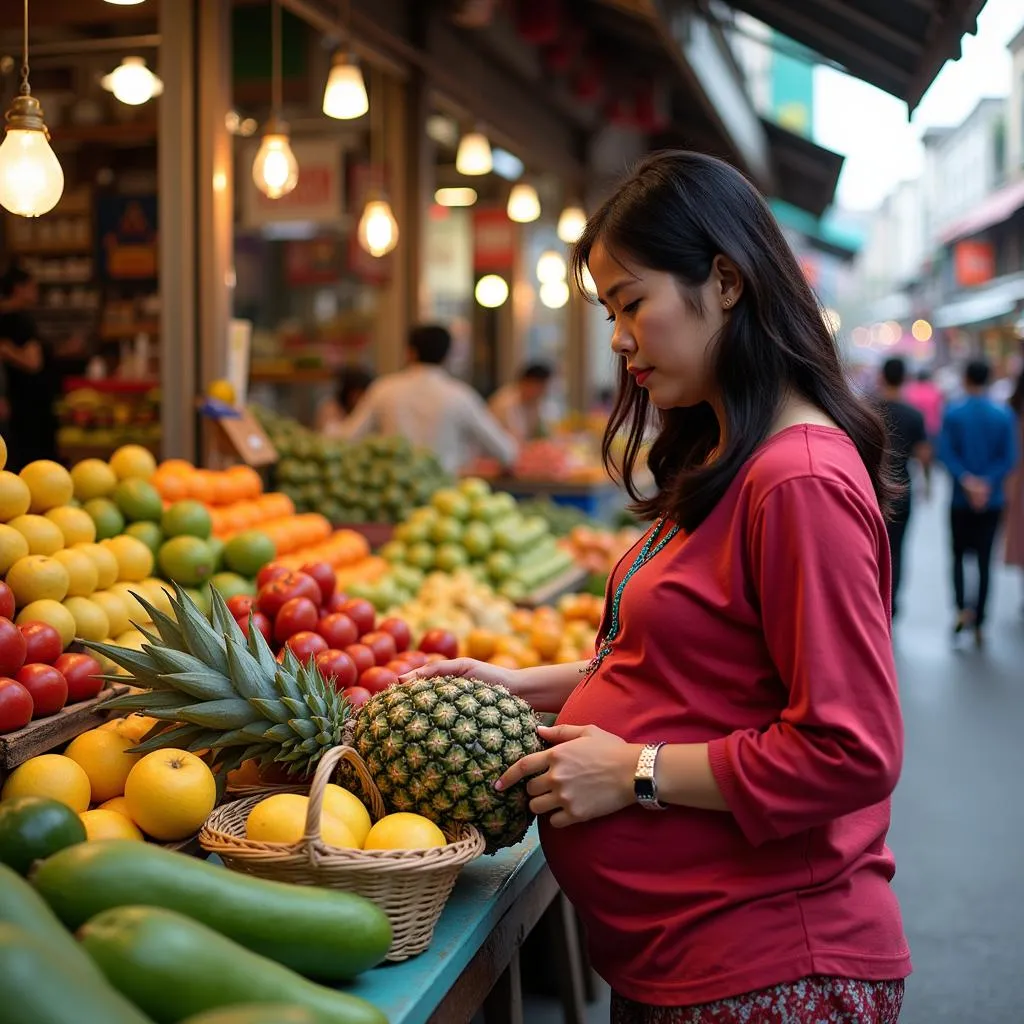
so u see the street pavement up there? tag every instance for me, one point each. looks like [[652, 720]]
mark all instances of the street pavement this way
[[958, 815]]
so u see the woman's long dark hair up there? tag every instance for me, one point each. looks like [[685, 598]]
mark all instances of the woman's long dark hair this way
[[676, 213]]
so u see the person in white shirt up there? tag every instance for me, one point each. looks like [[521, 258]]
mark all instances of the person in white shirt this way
[[426, 405], [519, 406]]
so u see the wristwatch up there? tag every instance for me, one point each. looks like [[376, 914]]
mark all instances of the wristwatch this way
[[644, 786]]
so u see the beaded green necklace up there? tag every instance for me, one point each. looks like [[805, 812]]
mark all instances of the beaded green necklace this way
[[647, 552]]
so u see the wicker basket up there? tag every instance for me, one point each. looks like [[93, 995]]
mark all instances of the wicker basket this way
[[410, 886]]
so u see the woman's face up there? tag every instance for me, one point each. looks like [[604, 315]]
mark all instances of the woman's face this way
[[666, 344]]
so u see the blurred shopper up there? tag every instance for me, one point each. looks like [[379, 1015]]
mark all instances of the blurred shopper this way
[[978, 446], [1015, 486], [926, 396], [908, 439], [426, 405], [350, 386], [519, 406], [715, 796], [32, 384]]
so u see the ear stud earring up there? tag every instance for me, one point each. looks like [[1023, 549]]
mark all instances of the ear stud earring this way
[[727, 304]]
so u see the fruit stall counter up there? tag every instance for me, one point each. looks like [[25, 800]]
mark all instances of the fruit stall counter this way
[[602, 501]]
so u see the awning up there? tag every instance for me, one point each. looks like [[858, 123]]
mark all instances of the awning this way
[[805, 174], [994, 209], [821, 233], [897, 45], [991, 302]]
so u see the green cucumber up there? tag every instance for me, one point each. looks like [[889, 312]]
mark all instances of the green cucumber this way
[[40, 986], [322, 933], [250, 1014], [23, 907], [172, 967]]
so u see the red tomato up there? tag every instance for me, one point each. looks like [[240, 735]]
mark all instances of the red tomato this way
[[281, 590], [324, 575], [43, 645], [296, 616], [82, 673], [6, 601], [377, 679], [240, 605], [47, 688], [16, 705], [416, 659], [306, 645], [398, 666], [338, 668], [399, 629], [440, 641], [338, 630], [362, 613], [362, 656], [269, 573], [357, 696], [382, 644], [335, 602], [13, 646], [261, 622]]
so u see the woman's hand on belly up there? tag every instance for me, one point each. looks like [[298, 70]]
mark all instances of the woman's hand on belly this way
[[585, 773]]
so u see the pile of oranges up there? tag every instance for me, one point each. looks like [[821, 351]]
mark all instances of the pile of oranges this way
[[257, 514], [177, 480]]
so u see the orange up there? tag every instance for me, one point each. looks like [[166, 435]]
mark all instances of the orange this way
[[504, 661], [177, 467], [172, 486], [170, 794], [480, 644]]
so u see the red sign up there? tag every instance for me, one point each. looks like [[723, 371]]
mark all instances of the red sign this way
[[311, 261], [494, 239], [973, 263]]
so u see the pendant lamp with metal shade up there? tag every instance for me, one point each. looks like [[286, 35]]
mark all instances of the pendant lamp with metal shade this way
[[31, 178], [275, 169]]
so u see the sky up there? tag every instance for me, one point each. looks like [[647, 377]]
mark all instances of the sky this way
[[871, 129]]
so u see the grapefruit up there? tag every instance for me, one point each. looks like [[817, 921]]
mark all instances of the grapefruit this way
[[281, 818], [344, 805], [103, 823], [12, 547], [149, 533], [170, 794], [187, 518], [14, 496], [37, 578], [116, 610], [43, 536], [83, 577], [91, 622], [92, 478], [49, 485], [53, 613], [134, 559], [102, 755], [247, 552], [53, 776], [105, 562], [133, 462], [138, 501], [186, 560], [404, 831], [74, 523]]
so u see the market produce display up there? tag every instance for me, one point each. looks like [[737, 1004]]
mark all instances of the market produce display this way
[[447, 740], [101, 419], [469, 525], [378, 480]]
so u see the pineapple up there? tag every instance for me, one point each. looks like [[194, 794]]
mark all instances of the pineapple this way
[[435, 747]]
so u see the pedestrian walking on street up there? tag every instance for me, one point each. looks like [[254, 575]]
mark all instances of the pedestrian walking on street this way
[[1015, 488], [978, 446], [715, 795], [908, 439]]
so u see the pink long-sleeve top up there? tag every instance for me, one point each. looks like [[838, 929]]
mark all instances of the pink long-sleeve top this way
[[766, 634]]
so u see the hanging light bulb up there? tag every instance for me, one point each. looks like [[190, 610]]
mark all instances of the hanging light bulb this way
[[275, 169], [474, 155], [125, 3], [132, 82], [491, 291], [345, 95], [551, 267], [554, 294], [523, 203], [571, 223], [31, 178], [378, 229]]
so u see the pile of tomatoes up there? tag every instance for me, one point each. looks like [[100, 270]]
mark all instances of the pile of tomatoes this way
[[36, 677], [303, 611]]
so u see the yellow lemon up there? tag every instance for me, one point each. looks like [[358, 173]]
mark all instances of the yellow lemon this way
[[281, 818], [170, 794], [134, 559], [75, 523], [106, 824], [12, 547], [116, 609], [50, 775], [82, 574], [49, 484], [158, 593], [116, 803], [131, 638], [52, 612], [348, 809], [133, 462], [404, 831], [92, 478], [91, 622], [14, 496], [101, 753], [105, 562], [43, 536], [136, 612], [37, 578], [223, 391]]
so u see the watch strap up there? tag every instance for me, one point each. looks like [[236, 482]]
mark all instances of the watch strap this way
[[645, 788]]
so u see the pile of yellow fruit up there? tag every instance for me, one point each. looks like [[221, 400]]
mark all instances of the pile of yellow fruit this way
[[344, 822], [165, 795]]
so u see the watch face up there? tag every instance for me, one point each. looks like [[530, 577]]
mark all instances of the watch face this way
[[644, 789]]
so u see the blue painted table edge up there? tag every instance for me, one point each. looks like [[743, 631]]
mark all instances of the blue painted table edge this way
[[409, 992]]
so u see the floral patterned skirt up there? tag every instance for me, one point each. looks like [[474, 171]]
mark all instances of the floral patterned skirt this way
[[816, 1000]]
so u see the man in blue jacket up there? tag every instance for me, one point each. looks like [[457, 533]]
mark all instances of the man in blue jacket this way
[[978, 446]]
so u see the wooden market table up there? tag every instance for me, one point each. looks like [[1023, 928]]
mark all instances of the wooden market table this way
[[473, 960]]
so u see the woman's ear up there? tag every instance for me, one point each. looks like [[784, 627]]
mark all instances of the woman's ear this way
[[728, 281]]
